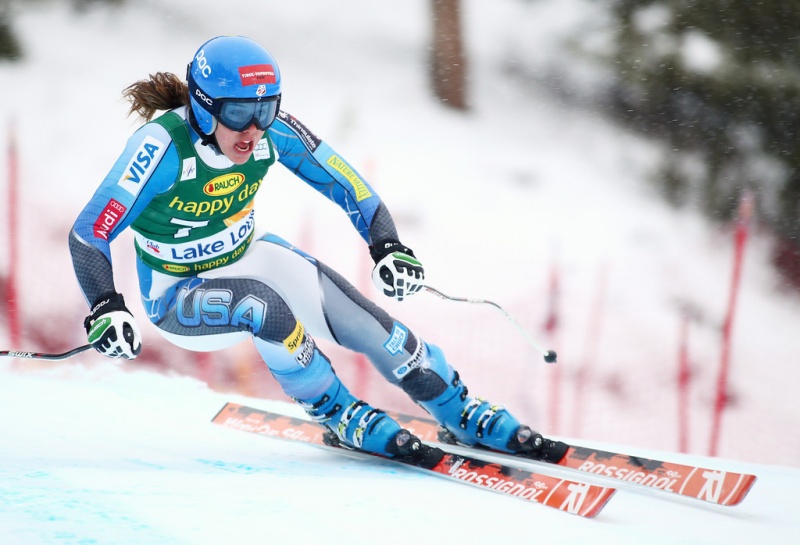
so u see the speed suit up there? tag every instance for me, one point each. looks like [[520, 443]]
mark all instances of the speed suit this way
[[207, 282]]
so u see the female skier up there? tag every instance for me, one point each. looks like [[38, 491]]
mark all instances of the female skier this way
[[185, 184]]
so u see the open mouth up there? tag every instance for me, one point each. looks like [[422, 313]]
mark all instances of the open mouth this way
[[244, 146]]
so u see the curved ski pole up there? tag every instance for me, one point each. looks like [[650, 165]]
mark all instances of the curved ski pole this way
[[549, 355], [42, 356]]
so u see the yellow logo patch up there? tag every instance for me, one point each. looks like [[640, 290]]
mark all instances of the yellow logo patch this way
[[292, 342], [175, 268], [222, 185], [362, 192]]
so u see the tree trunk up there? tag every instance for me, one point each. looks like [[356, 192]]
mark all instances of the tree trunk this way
[[447, 63]]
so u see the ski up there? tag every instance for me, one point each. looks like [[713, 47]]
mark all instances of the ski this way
[[572, 496], [701, 483]]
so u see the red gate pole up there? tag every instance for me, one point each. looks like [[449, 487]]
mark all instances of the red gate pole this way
[[551, 329], [14, 327], [740, 238], [683, 384], [596, 321]]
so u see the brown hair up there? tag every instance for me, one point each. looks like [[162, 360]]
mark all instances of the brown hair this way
[[161, 92]]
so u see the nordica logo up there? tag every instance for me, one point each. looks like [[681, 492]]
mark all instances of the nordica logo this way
[[222, 185]]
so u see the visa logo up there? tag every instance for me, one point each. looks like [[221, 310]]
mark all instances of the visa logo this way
[[144, 159]]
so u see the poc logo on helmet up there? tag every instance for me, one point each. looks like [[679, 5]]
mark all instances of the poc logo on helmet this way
[[202, 63], [199, 94]]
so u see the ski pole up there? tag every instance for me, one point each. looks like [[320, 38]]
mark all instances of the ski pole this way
[[42, 356], [549, 355]]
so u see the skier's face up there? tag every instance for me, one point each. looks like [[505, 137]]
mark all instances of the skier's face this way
[[238, 146]]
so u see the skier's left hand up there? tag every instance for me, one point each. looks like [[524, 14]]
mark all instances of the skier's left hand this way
[[397, 272]]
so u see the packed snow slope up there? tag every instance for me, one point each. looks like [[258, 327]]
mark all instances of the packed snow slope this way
[[105, 455], [492, 201]]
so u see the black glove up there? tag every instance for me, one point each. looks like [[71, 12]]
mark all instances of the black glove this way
[[112, 329], [397, 272]]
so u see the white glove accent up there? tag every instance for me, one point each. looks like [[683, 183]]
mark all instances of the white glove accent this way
[[398, 275]]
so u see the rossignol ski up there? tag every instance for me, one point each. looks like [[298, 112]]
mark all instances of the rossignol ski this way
[[711, 485], [569, 495]]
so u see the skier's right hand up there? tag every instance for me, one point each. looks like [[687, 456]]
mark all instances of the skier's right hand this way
[[397, 273], [112, 329]]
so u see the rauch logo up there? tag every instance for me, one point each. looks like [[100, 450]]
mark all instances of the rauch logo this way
[[222, 185], [175, 268]]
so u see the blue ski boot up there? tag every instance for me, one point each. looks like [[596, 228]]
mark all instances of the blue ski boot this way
[[471, 421], [354, 424], [405, 447], [351, 422]]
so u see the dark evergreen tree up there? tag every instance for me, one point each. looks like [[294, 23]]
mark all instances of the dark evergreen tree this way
[[719, 80]]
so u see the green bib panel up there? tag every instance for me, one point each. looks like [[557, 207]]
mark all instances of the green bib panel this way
[[206, 219]]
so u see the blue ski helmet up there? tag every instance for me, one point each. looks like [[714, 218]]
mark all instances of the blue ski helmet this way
[[235, 81]]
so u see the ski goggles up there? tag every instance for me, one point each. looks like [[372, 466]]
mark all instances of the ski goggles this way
[[238, 114]]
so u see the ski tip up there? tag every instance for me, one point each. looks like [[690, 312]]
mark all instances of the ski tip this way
[[740, 491], [600, 501]]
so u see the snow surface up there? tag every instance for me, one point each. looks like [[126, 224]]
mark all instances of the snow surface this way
[[530, 181], [103, 455]]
